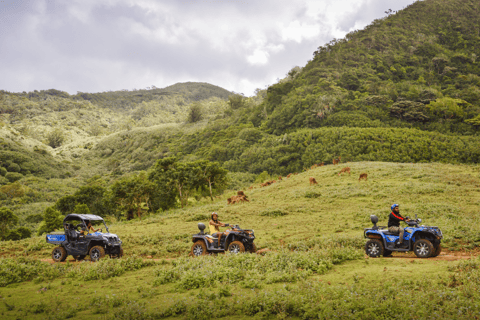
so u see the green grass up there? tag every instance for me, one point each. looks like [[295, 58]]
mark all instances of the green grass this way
[[313, 238]]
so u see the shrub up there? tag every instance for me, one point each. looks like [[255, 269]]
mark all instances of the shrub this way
[[34, 218], [7, 219], [55, 138], [312, 194], [13, 167], [198, 217], [273, 213], [52, 220], [13, 176], [3, 171]]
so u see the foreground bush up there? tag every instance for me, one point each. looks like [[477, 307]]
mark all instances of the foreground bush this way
[[251, 271]]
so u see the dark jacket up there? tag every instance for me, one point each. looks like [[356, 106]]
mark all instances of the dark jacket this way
[[394, 219]]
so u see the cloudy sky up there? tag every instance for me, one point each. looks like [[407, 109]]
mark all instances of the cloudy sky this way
[[101, 45]]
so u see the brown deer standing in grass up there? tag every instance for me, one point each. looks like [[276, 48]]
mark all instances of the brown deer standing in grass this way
[[344, 170], [336, 161], [363, 176], [312, 180]]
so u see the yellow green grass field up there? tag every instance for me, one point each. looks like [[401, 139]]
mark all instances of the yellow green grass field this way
[[316, 266]]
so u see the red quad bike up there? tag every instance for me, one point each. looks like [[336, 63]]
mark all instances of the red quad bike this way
[[236, 240]]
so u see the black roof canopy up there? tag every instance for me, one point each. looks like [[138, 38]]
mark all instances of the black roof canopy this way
[[83, 217]]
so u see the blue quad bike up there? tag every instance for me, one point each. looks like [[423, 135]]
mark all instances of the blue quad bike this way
[[424, 241]]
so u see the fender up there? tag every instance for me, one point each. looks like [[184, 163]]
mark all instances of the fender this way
[[203, 238], [377, 233], [229, 239]]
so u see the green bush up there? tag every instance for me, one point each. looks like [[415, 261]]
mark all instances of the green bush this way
[[3, 171], [13, 176], [312, 194], [284, 266], [273, 213]]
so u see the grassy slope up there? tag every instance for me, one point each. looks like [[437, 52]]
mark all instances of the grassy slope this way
[[443, 195]]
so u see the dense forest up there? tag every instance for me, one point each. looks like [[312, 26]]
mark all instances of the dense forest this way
[[404, 89]]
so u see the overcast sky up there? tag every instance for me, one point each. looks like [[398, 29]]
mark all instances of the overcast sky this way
[[101, 45]]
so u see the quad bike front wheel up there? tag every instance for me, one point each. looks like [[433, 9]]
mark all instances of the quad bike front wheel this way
[[59, 254], [253, 248], [97, 253], [423, 248], [199, 249], [437, 251], [374, 248], [236, 247]]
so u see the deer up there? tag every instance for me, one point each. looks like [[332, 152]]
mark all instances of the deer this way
[[344, 170]]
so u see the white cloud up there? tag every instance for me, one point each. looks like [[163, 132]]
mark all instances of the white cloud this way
[[123, 44], [258, 57]]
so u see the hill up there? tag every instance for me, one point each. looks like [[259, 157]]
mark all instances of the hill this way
[[415, 68], [347, 102], [315, 232], [406, 82]]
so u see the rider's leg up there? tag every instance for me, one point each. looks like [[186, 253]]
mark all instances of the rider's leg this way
[[397, 230], [400, 234]]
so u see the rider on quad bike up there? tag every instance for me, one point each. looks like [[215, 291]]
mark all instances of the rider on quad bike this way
[[394, 224], [214, 225]]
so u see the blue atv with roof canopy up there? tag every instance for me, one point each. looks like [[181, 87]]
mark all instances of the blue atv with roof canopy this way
[[424, 241], [79, 245]]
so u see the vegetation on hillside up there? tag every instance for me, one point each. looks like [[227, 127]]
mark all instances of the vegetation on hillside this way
[[404, 89]]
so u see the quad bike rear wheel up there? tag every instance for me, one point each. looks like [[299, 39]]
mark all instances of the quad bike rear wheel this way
[[236, 247], [437, 251], [374, 248], [97, 253], [199, 249], [423, 248], [59, 254]]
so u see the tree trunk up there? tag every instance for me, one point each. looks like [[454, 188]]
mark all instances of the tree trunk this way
[[210, 186]]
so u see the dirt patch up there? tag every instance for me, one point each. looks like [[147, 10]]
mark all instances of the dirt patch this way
[[444, 256], [67, 260]]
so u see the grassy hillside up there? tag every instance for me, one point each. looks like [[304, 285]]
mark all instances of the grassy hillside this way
[[415, 68], [315, 232]]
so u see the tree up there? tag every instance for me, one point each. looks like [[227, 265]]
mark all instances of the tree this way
[[195, 114], [81, 209], [214, 175], [52, 219], [410, 111], [7, 219], [179, 178], [132, 194], [13, 190], [55, 138], [448, 108], [66, 204], [236, 101]]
